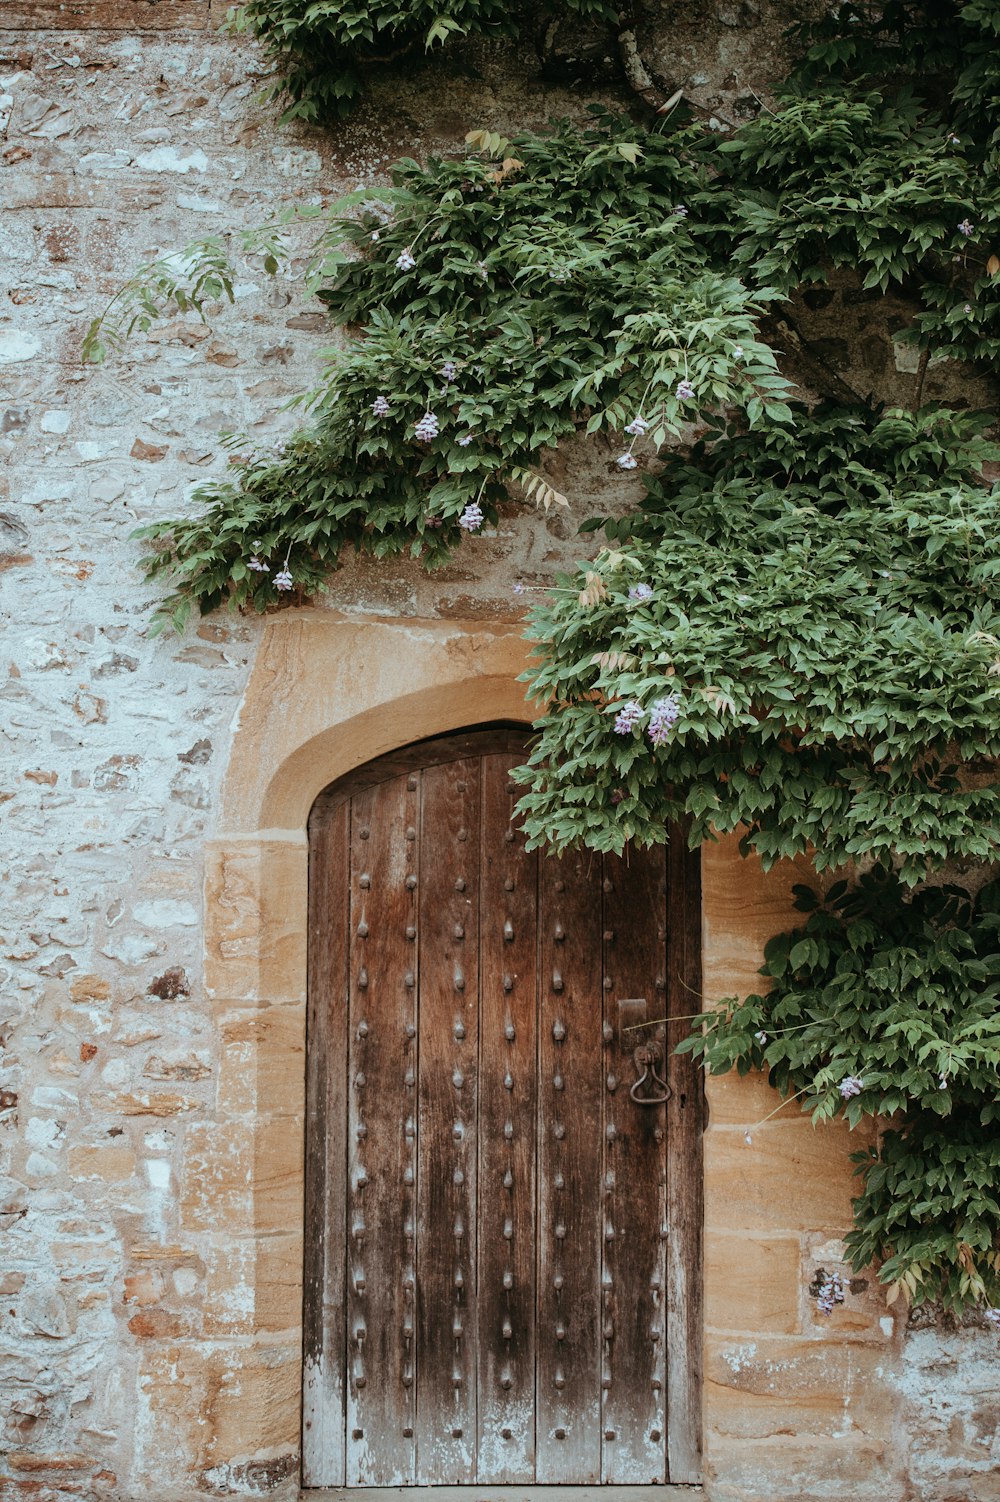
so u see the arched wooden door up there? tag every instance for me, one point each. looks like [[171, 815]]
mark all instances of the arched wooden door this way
[[502, 1279]]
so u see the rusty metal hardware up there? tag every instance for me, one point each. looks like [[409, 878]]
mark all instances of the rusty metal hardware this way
[[647, 1056], [650, 1088]]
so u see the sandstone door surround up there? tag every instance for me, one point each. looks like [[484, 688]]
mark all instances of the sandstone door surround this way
[[326, 695]]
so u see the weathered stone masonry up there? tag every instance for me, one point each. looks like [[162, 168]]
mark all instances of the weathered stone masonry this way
[[154, 795]]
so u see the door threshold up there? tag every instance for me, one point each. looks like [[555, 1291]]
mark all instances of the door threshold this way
[[474, 1492]]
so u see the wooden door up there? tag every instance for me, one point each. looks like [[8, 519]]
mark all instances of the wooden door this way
[[503, 1244]]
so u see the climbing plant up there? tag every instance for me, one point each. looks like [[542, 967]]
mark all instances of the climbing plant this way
[[886, 1006], [794, 629]]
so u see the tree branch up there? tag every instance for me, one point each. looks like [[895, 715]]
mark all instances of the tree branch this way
[[821, 375]]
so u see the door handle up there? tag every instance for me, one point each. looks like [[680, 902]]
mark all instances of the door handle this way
[[650, 1088]]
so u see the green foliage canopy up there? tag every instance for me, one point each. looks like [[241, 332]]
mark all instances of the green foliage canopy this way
[[797, 629]]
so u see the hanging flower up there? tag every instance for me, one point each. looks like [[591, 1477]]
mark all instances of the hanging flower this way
[[449, 370], [628, 717], [662, 718], [851, 1085], [405, 261], [465, 440], [380, 406], [426, 428], [685, 391], [637, 427], [641, 592], [471, 518], [966, 228], [737, 352], [829, 1293], [761, 1038], [680, 211], [283, 579], [626, 461], [257, 566]]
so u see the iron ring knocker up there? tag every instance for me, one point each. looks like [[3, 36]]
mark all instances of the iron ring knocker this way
[[646, 1058]]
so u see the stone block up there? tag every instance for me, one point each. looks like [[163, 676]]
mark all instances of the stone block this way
[[792, 1177], [278, 1172], [213, 1406], [742, 907], [759, 1387], [144, 1287], [217, 1178], [241, 1178], [262, 1068], [743, 1100], [255, 904], [253, 1283], [790, 1468], [752, 1282], [112, 1164]]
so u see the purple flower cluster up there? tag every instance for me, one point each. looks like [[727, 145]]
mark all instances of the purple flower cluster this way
[[966, 228], [380, 406], [641, 592], [680, 211], [829, 1293], [426, 428], [283, 579], [471, 518], [637, 427], [628, 717], [685, 391], [626, 461], [851, 1085], [465, 440], [449, 370], [761, 1038], [257, 566], [662, 718], [405, 260]]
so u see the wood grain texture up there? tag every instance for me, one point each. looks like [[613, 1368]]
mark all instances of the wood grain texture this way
[[104, 15], [513, 1231], [449, 1041], [507, 1122], [569, 1133], [685, 1185], [382, 1062], [323, 1326], [633, 1419]]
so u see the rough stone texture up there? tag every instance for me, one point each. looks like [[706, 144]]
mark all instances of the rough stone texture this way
[[150, 1094]]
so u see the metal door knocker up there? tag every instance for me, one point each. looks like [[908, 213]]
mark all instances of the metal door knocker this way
[[650, 1089]]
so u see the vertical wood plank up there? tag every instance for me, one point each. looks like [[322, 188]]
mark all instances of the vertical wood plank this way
[[323, 1453], [446, 1177], [381, 1125], [633, 1378], [507, 1136], [570, 1093], [685, 1195]]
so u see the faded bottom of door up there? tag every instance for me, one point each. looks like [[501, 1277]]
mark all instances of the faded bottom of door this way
[[474, 1493]]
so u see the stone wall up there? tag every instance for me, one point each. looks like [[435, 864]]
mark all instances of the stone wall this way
[[150, 1094]]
